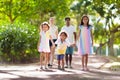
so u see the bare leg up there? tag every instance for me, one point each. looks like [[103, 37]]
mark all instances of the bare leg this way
[[52, 55], [63, 64], [66, 59], [49, 57], [70, 59], [59, 64], [58, 56], [86, 61], [41, 59], [83, 62], [46, 59]]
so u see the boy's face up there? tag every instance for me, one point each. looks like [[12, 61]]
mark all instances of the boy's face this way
[[63, 36]]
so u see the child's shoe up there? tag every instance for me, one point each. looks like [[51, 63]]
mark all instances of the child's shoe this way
[[41, 67], [62, 68], [59, 67], [70, 67], [66, 66]]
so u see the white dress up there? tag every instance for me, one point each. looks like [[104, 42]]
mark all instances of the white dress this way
[[44, 42]]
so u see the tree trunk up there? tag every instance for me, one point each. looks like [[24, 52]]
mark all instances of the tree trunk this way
[[111, 42]]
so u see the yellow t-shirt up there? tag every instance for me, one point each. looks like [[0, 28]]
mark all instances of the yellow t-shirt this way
[[61, 46], [61, 49]]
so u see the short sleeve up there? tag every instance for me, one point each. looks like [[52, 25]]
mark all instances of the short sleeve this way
[[40, 33], [62, 28], [90, 27], [57, 41], [80, 27], [74, 29], [67, 42]]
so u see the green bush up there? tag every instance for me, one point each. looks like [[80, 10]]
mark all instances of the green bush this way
[[18, 43]]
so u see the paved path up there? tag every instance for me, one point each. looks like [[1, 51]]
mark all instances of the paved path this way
[[30, 72]]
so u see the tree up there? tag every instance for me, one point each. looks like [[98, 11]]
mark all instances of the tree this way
[[108, 11], [80, 8], [12, 9], [33, 11]]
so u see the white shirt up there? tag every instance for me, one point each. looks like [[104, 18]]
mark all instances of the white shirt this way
[[53, 30], [70, 30]]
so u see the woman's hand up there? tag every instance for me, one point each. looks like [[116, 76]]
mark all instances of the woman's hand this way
[[53, 45]]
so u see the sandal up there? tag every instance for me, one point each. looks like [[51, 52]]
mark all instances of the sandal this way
[[86, 69], [82, 69]]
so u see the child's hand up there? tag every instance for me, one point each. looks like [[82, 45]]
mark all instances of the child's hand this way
[[73, 45]]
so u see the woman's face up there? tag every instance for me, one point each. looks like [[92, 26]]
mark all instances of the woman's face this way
[[85, 20], [52, 21], [45, 28]]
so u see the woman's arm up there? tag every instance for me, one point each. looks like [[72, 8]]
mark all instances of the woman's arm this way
[[56, 32]]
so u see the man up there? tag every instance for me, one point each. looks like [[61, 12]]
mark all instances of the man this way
[[71, 31]]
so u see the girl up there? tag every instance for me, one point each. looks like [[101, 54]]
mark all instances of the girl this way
[[54, 35], [62, 44], [43, 44], [86, 41]]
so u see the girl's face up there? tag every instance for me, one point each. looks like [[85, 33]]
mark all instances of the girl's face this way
[[85, 20], [63, 36], [45, 27]]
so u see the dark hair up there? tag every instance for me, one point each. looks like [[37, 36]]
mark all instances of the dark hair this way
[[67, 18], [88, 25], [64, 34]]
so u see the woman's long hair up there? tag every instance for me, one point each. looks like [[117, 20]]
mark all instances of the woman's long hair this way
[[88, 25]]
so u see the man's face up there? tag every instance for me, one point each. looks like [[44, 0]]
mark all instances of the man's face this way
[[67, 22]]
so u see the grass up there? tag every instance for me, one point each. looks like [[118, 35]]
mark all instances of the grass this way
[[114, 63]]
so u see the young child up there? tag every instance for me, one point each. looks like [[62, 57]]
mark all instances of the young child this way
[[86, 41], [43, 44], [62, 44]]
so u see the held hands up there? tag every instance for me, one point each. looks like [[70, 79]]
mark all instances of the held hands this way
[[73, 45]]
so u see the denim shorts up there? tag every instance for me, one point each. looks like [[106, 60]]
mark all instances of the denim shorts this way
[[60, 57], [69, 50]]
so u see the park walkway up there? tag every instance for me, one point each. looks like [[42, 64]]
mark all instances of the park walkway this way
[[32, 72]]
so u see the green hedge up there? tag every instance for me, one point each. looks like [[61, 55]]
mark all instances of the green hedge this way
[[18, 43]]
